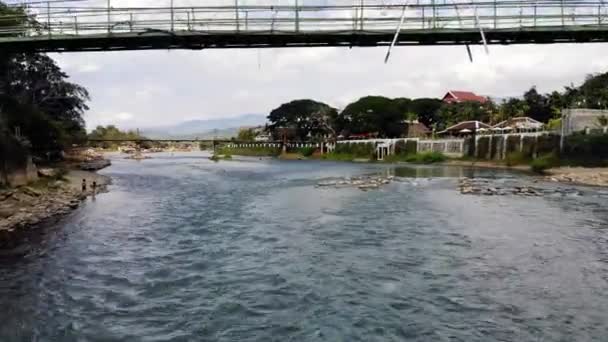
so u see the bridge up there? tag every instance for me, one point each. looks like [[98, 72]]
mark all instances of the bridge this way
[[97, 25]]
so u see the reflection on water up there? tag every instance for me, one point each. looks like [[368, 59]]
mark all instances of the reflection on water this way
[[185, 249]]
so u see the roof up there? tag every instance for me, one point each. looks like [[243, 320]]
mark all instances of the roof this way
[[522, 122], [463, 96], [470, 125]]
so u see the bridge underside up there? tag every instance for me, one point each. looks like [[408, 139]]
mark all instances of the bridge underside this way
[[196, 40]]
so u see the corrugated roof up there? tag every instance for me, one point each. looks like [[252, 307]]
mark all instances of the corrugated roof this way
[[467, 96]]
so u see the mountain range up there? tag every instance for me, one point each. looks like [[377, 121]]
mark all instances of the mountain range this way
[[205, 129]]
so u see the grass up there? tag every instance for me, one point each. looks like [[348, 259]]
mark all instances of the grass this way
[[338, 156], [251, 152]]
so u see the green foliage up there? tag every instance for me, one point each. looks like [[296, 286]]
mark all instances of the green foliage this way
[[452, 113], [427, 110], [337, 156], [544, 162], [374, 114], [36, 96], [360, 150], [303, 118], [246, 134], [250, 151], [306, 151], [554, 124], [111, 132]]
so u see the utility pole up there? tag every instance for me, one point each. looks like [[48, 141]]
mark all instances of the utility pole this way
[[297, 17], [236, 14], [109, 19], [172, 24]]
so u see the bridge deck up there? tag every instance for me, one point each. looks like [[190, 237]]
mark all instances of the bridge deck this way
[[202, 40], [84, 25]]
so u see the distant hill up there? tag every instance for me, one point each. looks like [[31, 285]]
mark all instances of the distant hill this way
[[206, 129]]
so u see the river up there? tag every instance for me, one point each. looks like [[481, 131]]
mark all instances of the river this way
[[185, 249]]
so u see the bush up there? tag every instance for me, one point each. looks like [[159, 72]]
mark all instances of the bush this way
[[546, 161], [306, 151]]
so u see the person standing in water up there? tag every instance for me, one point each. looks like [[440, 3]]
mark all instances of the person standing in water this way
[[94, 187], [84, 185]]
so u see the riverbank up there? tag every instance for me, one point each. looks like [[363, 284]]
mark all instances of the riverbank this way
[[26, 207]]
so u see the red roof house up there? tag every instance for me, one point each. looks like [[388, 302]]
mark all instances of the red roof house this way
[[455, 96]]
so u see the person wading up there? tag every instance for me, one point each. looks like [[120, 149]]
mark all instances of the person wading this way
[[84, 185]]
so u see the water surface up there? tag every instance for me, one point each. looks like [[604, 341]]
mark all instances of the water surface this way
[[184, 249]]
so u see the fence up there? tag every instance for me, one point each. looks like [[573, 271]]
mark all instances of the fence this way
[[454, 148]]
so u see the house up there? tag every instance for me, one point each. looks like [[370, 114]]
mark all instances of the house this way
[[519, 124], [262, 137], [415, 129], [466, 127], [456, 96]]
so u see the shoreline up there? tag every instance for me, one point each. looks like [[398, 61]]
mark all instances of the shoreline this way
[[24, 209]]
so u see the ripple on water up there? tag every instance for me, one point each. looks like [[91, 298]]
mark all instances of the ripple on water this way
[[182, 249]]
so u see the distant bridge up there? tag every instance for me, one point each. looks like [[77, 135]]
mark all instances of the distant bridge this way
[[216, 141], [84, 25]]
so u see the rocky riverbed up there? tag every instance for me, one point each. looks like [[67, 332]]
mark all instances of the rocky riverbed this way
[[27, 206], [364, 182], [492, 187]]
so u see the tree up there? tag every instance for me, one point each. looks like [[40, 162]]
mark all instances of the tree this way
[[36, 96], [246, 134], [452, 113], [539, 107], [426, 109], [374, 114], [297, 116]]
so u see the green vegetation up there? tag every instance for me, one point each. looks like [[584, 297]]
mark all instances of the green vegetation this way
[[246, 134], [544, 162], [111, 132], [250, 151], [306, 151], [36, 99]]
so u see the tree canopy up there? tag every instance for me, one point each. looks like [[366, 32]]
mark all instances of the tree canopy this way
[[303, 117], [36, 96]]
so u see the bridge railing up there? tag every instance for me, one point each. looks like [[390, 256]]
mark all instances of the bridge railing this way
[[93, 17]]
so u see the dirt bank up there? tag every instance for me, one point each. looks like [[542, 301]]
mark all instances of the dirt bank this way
[[26, 207], [597, 176]]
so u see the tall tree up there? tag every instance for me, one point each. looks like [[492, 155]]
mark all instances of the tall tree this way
[[374, 114], [300, 116]]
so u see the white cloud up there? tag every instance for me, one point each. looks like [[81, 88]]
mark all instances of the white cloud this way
[[167, 87]]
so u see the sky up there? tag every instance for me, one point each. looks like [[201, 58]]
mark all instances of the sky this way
[[141, 89]]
